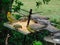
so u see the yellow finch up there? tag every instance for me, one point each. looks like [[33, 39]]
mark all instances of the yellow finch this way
[[10, 18]]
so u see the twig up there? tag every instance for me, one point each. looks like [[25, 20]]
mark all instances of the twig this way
[[6, 40]]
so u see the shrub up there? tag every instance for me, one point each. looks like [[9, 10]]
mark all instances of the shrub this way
[[37, 43]]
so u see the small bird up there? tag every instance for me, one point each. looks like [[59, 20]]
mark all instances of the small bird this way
[[10, 18], [17, 26]]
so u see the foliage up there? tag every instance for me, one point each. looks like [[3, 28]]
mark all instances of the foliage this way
[[56, 23], [6, 5], [17, 16], [38, 4], [18, 5], [46, 1], [5, 1], [37, 43]]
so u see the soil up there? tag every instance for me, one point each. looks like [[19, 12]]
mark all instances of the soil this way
[[24, 24]]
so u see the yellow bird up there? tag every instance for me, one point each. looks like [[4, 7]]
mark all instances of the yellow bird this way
[[10, 18]]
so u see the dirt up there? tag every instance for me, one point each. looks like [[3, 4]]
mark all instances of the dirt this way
[[24, 24]]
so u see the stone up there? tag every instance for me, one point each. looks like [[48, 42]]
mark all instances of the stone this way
[[57, 34], [45, 22], [34, 16], [23, 19], [36, 27], [51, 29]]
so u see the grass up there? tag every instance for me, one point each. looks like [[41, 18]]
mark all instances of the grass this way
[[51, 10]]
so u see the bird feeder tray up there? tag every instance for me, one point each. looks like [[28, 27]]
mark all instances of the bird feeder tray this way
[[21, 26]]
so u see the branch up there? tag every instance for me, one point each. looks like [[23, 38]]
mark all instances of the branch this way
[[6, 40]]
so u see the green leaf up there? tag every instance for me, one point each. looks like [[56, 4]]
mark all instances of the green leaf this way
[[37, 43]]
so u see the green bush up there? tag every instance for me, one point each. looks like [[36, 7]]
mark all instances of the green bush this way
[[37, 43], [17, 16]]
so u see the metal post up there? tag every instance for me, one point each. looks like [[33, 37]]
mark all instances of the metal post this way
[[29, 17]]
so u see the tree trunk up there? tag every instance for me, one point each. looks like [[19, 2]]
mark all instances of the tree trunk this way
[[4, 9], [0, 6]]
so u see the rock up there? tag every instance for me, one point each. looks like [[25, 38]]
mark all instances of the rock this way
[[38, 18], [35, 20], [45, 22], [35, 16], [57, 37], [42, 22], [57, 34], [36, 27], [53, 24], [23, 19], [51, 29]]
